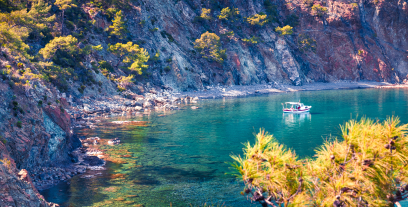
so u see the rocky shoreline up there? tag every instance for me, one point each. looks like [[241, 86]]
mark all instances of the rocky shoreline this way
[[248, 90], [86, 111]]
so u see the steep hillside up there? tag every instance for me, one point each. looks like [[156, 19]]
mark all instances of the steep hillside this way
[[51, 50]]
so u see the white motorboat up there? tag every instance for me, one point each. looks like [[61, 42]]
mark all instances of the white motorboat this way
[[295, 107]]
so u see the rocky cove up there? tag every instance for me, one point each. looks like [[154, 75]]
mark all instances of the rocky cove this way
[[333, 45]]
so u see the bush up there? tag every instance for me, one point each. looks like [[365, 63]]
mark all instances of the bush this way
[[210, 47], [306, 43], [258, 19], [205, 14], [227, 13], [167, 69], [105, 65], [367, 168], [40, 102], [286, 30], [132, 55], [164, 34], [154, 29], [19, 124], [319, 10], [253, 40]]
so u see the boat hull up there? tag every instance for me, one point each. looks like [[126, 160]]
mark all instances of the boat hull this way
[[296, 110]]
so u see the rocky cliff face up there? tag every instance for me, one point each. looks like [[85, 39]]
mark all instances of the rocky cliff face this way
[[31, 135], [355, 40]]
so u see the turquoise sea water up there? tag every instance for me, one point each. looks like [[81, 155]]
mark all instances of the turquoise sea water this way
[[179, 158]]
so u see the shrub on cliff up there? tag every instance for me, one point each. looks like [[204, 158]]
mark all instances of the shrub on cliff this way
[[210, 47], [271, 10], [132, 55], [205, 14], [319, 10], [258, 19], [286, 30], [367, 168], [306, 43], [228, 14], [66, 44], [118, 26], [253, 40]]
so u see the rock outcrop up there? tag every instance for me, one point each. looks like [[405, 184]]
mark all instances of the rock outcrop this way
[[351, 40]]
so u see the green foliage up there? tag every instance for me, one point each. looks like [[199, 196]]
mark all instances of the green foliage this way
[[131, 54], [111, 12], [6, 162], [13, 38], [227, 13], [292, 20], [271, 10], [105, 65], [154, 29], [19, 124], [360, 52], [167, 69], [354, 5], [318, 10], [258, 19], [64, 4], [306, 43], [118, 26], [40, 102], [97, 48], [164, 34], [156, 57], [81, 89], [253, 40], [366, 169], [66, 44], [210, 47], [286, 30], [205, 14]]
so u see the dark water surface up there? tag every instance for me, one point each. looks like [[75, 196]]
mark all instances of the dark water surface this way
[[180, 157]]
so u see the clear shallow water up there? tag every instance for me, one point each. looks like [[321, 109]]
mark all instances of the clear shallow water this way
[[180, 158]]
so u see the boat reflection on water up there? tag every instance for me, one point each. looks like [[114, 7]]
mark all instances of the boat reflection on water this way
[[292, 119]]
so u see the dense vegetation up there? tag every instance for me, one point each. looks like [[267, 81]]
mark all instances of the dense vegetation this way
[[367, 168]]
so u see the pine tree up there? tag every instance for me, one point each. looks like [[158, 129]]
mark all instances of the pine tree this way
[[13, 39], [367, 168], [67, 44], [118, 25], [210, 47], [131, 54], [63, 5]]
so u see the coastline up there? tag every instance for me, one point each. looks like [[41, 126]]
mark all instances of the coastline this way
[[248, 90]]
